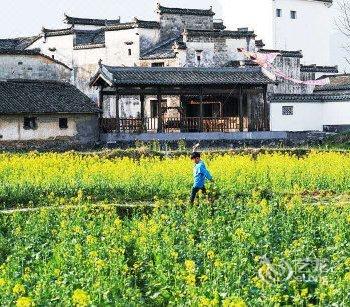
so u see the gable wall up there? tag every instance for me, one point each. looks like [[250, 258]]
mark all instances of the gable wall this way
[[63, 45], [32, 67], [172, 24]]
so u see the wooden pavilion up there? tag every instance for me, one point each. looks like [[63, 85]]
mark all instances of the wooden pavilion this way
[[209, 99]]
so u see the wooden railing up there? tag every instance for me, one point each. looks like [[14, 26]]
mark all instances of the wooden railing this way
[[188, 124]]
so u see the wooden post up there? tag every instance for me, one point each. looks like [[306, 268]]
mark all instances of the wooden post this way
[[201, 113], [142, 113], [240, 108], [117, 116], [266, 120], [160, 111], [100, 98]]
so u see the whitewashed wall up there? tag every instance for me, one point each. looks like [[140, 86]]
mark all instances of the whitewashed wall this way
[[309, 116], [309, 32], [11, 127], [117, 49], [63, 45], [255, 14]]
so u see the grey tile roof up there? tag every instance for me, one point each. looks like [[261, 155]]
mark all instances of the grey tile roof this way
[[182, 11], [311, 98], [89, 38], [332, 88], [319, 69], [171, 76], [19, 43], [218, 33], [57, 32], [259, 43], [42, 97], [163, 50], [219, 25], [90, 21], [136, 23], [284, 53]]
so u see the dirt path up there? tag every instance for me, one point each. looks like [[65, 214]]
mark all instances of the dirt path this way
[[116, 206]]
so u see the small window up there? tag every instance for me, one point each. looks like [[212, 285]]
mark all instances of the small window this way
[[293, 14], [20, 63], [63, 123], [159, 64], [199, 57], [287, 110], [53, 56], [278, 13], [129, 51], [30, 123]]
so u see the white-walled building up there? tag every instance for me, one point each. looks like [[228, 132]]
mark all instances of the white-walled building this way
[[286, 24], [327, 108], [46, 110]]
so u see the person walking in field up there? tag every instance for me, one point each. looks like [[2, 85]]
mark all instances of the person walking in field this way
[[200, 174]]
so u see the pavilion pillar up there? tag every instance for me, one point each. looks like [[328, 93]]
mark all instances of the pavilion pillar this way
[[160, 111], [100, 98], [201, 112], [117, 116], [142, 111], [266, 120], [240, 108]]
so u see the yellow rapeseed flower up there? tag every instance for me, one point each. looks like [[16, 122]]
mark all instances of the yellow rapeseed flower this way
[[234, 302], [210, 255], [304, 293], [18, 289], [90, 239], [191, 280], [347, 277], [2, 282], [80, 298], [25, 302], [190, 266], [240, 234]]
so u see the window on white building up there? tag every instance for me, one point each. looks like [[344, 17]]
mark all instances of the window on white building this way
[[199, 57], [63, 123], [30, 123], [158, 64], [278, 12], [129, 52], [293, 14], [287, 110]]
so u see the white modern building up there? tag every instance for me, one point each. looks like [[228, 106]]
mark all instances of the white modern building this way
[[286, 24]]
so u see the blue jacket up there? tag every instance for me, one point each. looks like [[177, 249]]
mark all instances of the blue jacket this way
[[200, 174]]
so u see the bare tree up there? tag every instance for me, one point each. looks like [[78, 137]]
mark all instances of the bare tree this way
[[342, 22]]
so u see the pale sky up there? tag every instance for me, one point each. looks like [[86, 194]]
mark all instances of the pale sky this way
[[26, 17]]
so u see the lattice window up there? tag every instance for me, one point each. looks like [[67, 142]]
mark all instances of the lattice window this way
[[287, 110]]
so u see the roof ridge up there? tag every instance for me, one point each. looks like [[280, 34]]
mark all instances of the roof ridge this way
[[186, 11], [89, 21], [45, 81]]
